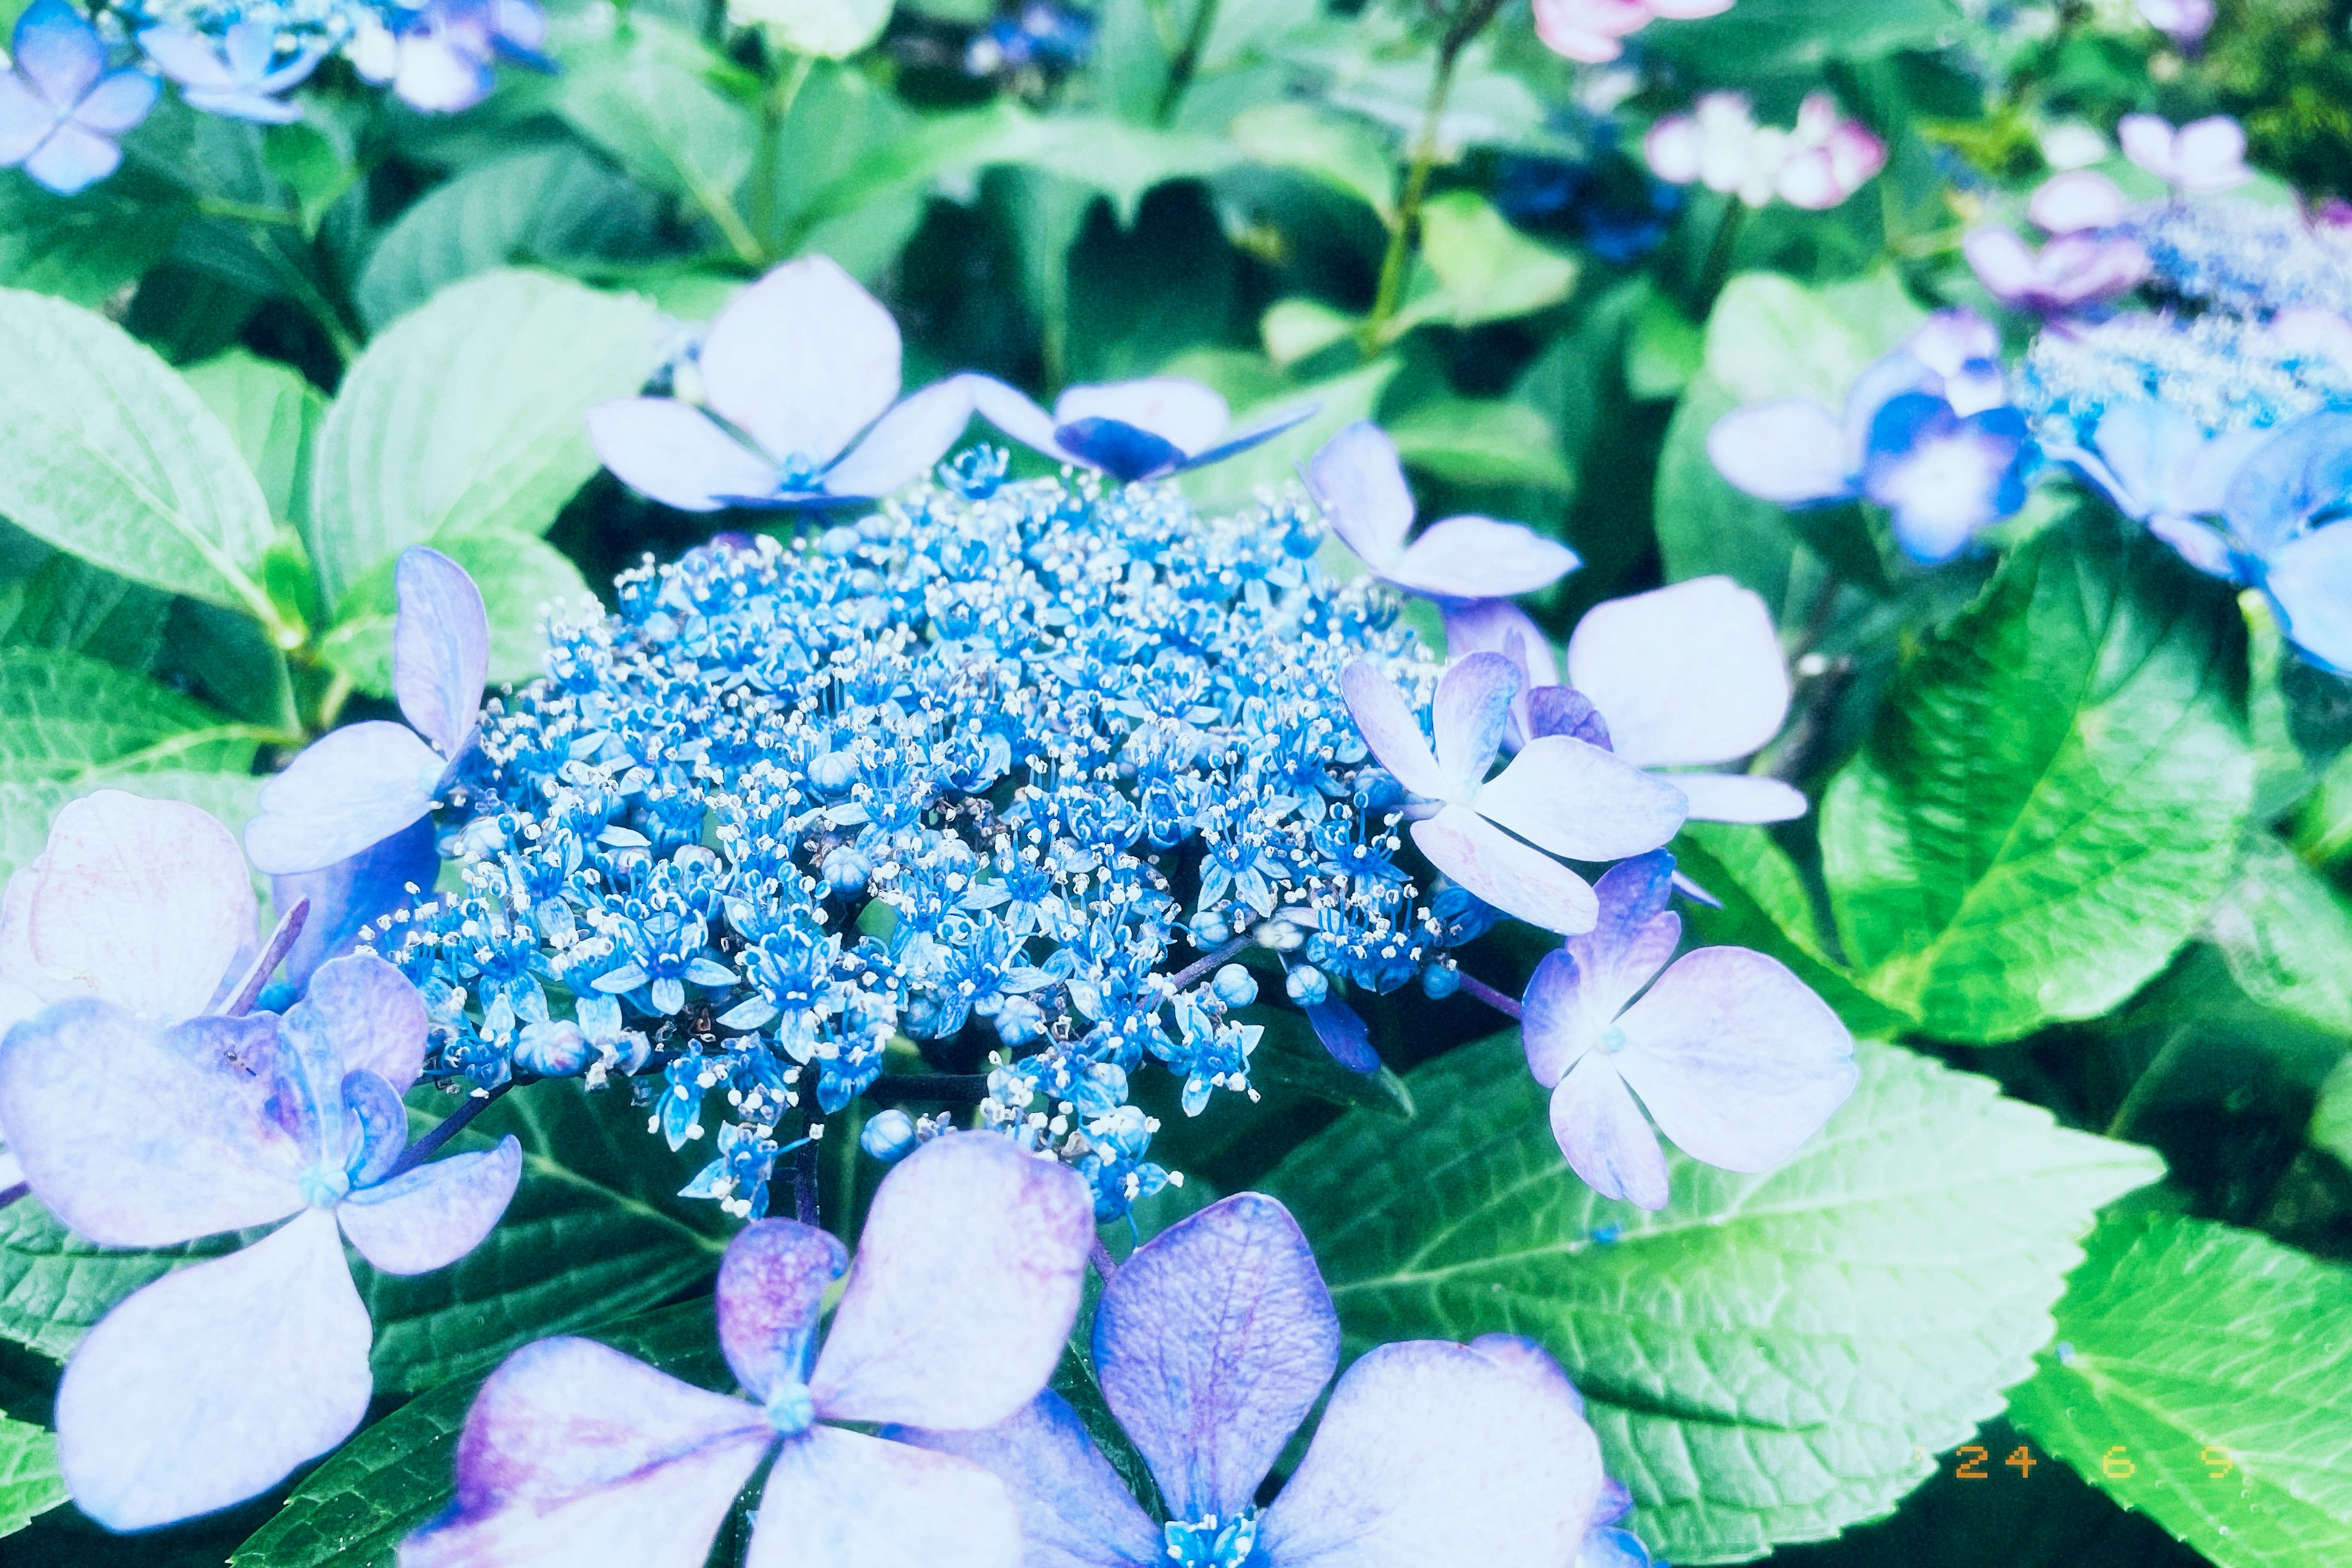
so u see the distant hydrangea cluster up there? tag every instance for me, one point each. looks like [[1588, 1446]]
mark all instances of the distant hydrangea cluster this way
[[1005, 770], [2226, 371], [2247, 259]]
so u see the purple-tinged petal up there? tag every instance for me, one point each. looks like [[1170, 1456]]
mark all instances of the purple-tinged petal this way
[[1473, 700], [378, 1127], [1075, 1510], [1438, 1453], [350, 895], [965, 1284], [1532, 1364], [1738, 797], [842, 1499], [1122, 451], [437, 73], [140, 1137], [1211, 1343], [1736, 1060], [1691, 673], [2078, 200], [58, 52], [440, 649], [209, 1385], [2002, 262], [1013, 413], [1633, 938], [770, 1285], [1185, 413], [1389, 729], [146, 903], [675, 453], [363, 1016], [1564, 710], [12, 1173], [574, 1454], [905, 442], [259, 108], [2299, 471], [1479, 558], [188, 57], [1601, 1132], [2309, 582], [1497, 626], [1358, 486], [1516, 878], [1557, 1023], [72, 160], [350, 790], [429, 1217], [118, 103], [2206, 549], [2211, 154], [1577, 800], [26, 120], [801, 361], [1791, 453], [1345, 1034]]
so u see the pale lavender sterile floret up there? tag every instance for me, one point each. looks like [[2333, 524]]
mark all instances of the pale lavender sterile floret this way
[[1357, 481], [61, 111], [1131, 430]]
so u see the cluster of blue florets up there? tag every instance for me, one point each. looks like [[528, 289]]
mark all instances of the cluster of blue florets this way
[[2241, 258], [996, 780]]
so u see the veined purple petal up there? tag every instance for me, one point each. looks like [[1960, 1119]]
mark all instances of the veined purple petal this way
[[1516, 878], [673, 452], [1391, 730], [1186, 414], [2309, 581], [1557, 1024], [801, 361], [365, 1015], [1211, 1343], [72, 160], [1791, 453], [146, 903], [1577, 800], [1438, 1453], [770, 1284], [58, 52], [1358, 486], [25, 120], [440, 649], [1473, 700], [351, 789], [1736, 1058], [842, 1499], [1497, 626], [1343, 1033], [429, 1217], [1738, 797], [964, 1290], [118, 103], [136, 1136], [188, 57], [1633, 938], [1564, 710], [1479, 558], [211, 1384], [1691, 673], [349, 895], [1075, 1510], [1601, 1132], [905, 442], [574, 1454]]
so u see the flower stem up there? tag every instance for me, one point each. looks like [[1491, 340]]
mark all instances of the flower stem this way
[[424, 1147], [1716, 270], [281, 942], [1472, 986], [768, 154], [1199, 968], [1100, 1256], [1466, 24], [948, 1088], [804, 1198], [1188, 59]]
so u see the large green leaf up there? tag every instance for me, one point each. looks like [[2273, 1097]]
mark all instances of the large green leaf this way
[[353, 1512], [1760, 37], [645, 95], [1770, 336], [27, 806], [29, 1482], [1482, 441], [2200, 1375], [2286, 934], [272, 414], [1769, 1358], [62, 715], [84, 248], [53, 1285], [2052, 798], [518, 576], [466, 417], [109, 455]]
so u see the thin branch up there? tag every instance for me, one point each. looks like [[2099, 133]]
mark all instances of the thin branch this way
[[947, 1087], [1202, 968], [281, 942], [1100, 1256], [1477, 989], [424, 1147]]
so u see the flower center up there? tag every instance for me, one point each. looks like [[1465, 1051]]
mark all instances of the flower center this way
[[324, 1186], [1612, 1039], [791, 1411], [1210, 1542]]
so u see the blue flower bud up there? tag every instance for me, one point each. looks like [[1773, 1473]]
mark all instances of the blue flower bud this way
[[1235, 986], [845, 869], [889, 1135], [1210, 929], [1440, 981], [1307, 986]]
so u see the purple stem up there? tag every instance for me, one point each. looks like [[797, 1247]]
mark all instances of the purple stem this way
[[950, 1088], [424, 1147], [1475, 987], [1100, 1256], [273, 951], [804, 1185], [1201, 967], [10, 1195]]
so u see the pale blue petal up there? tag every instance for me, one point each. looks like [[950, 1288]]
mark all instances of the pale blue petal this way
[[362, 1014], [770, 1284], [349, 895], [1075, 1510], [905, 442], [1389, 729], [1601, 1132], [1515, 878], [1738, 797], [188, 57], [842, 1499], [438, 76], [1473, 702], [1690, 673], [1793, 453], [259, 108], [429, 1217], [2301, 471], [2310, 582], [1359, 485], [440, 649], [352, 789], [58, 52], [673, 452], [1479, 558], [1183, 414], [25, 120], [118, 103], [1013, 413], [801, 361], [1575, 799], [72, 160]]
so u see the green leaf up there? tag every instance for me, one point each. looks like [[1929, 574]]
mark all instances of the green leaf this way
[[1762, 38], [1769, 1358], [2199, 1377], [2286, 935], [1482, 441], [648, 97], [67, 603], [273, 415], [1298, 329], [107, 454], [553, 205], [88, 246], [53, 1285], [29, 1482], [1485, 269], [353, 1512], [1662, 349], [1123, 160], [1705, 525], [595, 1233], [63, 716], [519, 576], [2331, 1117], [1342, 151], [465, 416], [2052, 796], [1288, 1056], [1770, 336], [1340, 400], [27, 804]]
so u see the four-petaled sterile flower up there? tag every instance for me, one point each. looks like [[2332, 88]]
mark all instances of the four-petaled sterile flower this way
[[1560, 794], [209, 1385], [2203, 155], [61, 108], [966, 1282], [1211, 1345], [1593, 31], [1736, 1060], [2069, 272], [442, 58], [1129, 429], [1359, 483], [1815, 165], [241, 75], [2075, 201], [361, 785], [793, 369]]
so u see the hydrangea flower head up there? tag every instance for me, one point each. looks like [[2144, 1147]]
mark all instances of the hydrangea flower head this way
[[60, 109], [953, 1316], [441, 57], [2185, 22], [365, 784], [2225, 371], [207, 1386], [1131, 430], [1592, 31], [2283, 507], [2202, 156], [1359, 483], [2245, 258], [1816, 165], [1734, 1057], [1210, 1344], [242, 75], [770, 432]]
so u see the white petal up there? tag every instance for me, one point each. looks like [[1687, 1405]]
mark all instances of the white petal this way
[[1688, 674], [842, 1499], [802, 360]]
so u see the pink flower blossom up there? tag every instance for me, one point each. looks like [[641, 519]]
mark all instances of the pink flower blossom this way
[[1593, 31], [1817, 164]]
